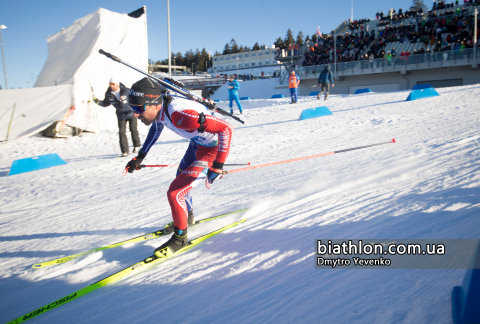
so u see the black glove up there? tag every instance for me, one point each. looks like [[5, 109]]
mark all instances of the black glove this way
[[214, 172], [134, 163]]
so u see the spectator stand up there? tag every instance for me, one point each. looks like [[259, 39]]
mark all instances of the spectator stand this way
[[379, 43]]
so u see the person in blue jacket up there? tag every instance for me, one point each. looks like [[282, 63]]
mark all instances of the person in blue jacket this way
[[233, 87], [324, 80]]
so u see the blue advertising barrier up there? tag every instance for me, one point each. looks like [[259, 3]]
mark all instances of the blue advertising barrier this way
[[315, 112], [36, 163], [314, 93], [466, 298], [216, 100], [421, 86], [422, 93], [276, 96], [245, 98], [358, 91]]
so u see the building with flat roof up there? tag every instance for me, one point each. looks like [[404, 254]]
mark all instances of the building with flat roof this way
[[252, 59]]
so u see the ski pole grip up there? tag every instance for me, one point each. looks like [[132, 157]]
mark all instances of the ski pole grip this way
[[113, 57], [141, 166]]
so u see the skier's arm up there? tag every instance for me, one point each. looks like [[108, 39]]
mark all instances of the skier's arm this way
[[153, 135]]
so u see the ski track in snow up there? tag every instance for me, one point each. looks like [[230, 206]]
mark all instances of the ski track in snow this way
[[424, 186]]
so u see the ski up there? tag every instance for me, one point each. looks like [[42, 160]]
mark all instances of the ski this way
[[135, 268], [140, 238]]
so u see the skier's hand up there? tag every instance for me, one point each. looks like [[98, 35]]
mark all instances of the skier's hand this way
[[134, 163], [95, 100], [215, 171]]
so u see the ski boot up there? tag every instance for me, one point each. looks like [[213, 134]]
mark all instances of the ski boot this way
[[231, 111], [176, 242], [170, 226], [318, 96]]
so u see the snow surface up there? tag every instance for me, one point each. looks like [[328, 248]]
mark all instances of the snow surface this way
[[424, 186]]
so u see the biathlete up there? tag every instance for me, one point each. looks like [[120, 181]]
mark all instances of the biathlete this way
[[210, 139]]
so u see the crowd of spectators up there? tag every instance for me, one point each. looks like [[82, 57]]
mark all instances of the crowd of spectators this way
[[348, 48], [357, 24], [432, 32], [450, 30], [285, 51], [394, 16]]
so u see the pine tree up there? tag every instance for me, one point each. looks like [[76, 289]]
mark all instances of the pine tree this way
[[189, 58], [289, 37], [307, 39], [300, 38], [314, 38], [279, 42], [418, 5], [179, 59], [233, 46], [256, 47], [227, 49]]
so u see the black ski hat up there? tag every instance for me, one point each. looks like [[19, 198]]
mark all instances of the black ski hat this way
[[144, 92]]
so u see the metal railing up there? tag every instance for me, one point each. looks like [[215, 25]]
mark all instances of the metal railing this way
[[398, 63], [200, 82]]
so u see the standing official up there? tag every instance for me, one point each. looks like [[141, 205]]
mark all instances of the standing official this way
[[293, 82], [324, 80], [233, 87], [117, 96]]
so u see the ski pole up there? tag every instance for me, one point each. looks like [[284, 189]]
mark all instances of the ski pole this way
[[304, 158], [175, 86], [141, 166]]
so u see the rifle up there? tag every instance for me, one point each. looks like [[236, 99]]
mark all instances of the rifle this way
[[175, 86]]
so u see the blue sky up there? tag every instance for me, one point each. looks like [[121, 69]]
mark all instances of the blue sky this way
[[194, 24]]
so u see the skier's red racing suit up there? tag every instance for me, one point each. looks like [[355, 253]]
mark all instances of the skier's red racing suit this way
[[213, 145]]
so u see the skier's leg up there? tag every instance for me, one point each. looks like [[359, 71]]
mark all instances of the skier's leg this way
[[188, 158], [185, 181], [238, 104]]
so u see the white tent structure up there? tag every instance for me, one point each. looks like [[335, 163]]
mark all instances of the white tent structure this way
[[74, 67]]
